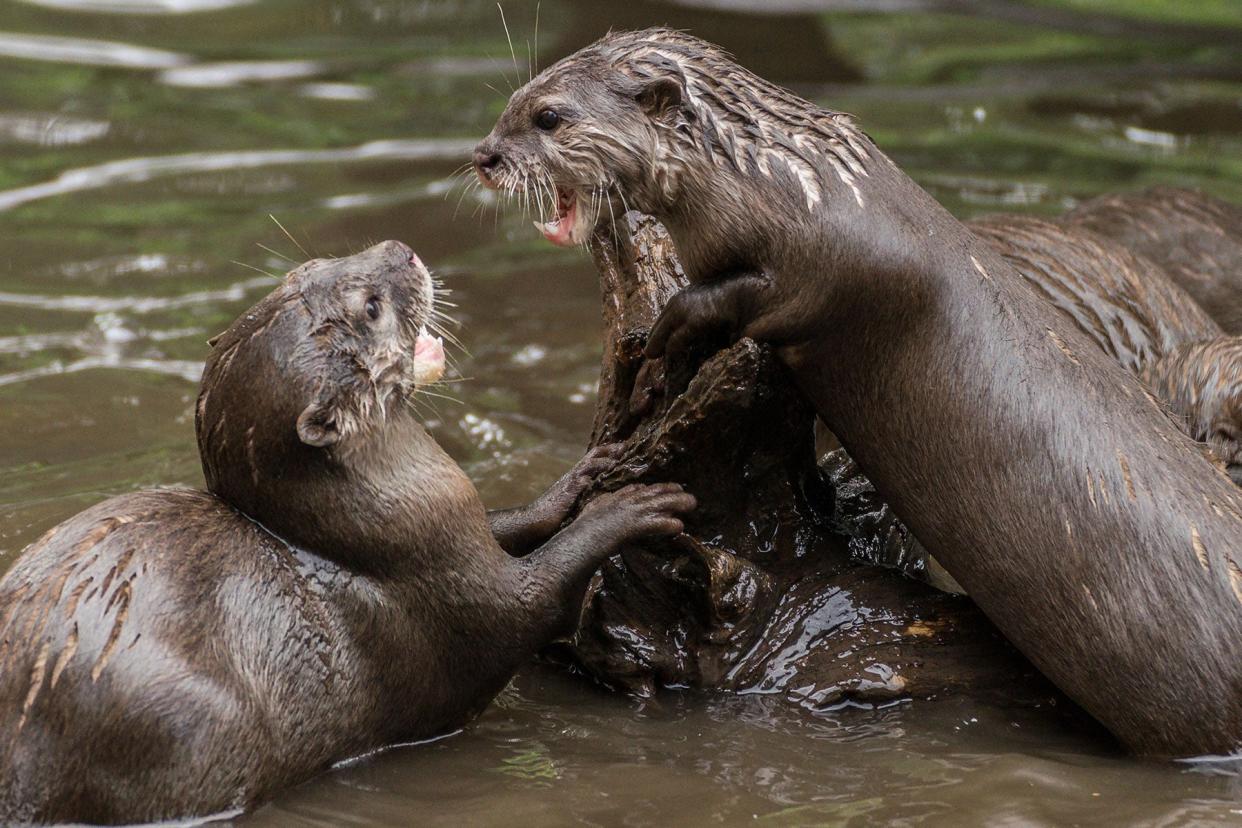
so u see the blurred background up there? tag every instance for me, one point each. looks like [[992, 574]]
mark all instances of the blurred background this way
[[162, 162]]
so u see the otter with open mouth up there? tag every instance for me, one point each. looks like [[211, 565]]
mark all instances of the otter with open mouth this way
[[554, 165], [962, 393], [176, 653]]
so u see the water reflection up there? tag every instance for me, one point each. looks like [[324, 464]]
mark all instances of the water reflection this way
[[135, 304], [51, 130], [337, 91], [186, 370], [139, 6], [87, 52], [232, 74], [125, 201], [132, 170]]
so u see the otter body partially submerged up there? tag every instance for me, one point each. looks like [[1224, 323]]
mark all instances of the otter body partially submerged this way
[[1048, 480], [176, 653]]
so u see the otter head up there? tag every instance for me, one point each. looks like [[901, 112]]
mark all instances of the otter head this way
[[606, 123], [314, 374]]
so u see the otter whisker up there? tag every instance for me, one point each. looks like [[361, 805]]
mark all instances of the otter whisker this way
[[624, 203], [452, 339], [503, 74], [422, 391], [537, 5], [534, 193], [296, 243], [466, 189], [598, 198], [517, 72], [256, 269], [612, 216], [442, 316], [274, 253], [460, 176], [549, 184], [539, 193]]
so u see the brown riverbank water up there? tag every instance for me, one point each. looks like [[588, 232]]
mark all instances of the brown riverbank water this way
[[144, 143]]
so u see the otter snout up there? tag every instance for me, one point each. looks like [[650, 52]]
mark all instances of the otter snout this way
[[487, 159], [392, 251]]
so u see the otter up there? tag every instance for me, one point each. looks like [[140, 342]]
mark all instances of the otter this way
[[1138, 315], [1047, 479], [176, 653], [1194, 238]]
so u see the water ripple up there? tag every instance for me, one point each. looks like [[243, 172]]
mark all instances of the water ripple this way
[[89, 52], [338, 91], [136, 170], [140, 6], [51, 130], [221, 75], [101, 335], [186, 369], [134, 304]]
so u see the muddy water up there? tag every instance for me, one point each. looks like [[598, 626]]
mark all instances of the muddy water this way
[[145, 143]]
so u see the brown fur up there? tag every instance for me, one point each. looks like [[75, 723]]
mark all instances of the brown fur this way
[[1138, 315], [1044, 476], [176, 653], [1194, 238]]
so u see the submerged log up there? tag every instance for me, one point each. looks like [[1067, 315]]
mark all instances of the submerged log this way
[[773, 587]]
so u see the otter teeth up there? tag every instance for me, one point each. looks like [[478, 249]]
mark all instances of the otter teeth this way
[[428, 357], [562, 230]]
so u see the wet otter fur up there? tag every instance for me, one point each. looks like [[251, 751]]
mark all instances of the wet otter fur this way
[[1137, 315], [176, 653], [1046, 478], [1192, 237]]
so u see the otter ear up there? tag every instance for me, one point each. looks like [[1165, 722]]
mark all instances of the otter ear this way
[[659, 96], [317, 425]]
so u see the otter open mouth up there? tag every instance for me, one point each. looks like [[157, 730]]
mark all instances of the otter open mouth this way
[[428, 358], [570, 226]]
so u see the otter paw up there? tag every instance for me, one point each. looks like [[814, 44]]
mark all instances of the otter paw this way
[[648, 385], [545, 515], [561, 495], [689, 330], [641, 511]]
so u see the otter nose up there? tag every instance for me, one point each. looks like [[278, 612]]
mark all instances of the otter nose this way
[[486, 159], [394, 251], [397, 249]]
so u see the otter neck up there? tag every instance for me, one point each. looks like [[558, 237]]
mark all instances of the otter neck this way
[[389, 506], [727, 216], [711, 229], [883, 252]]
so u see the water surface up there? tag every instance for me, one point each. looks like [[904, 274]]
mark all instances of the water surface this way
[[145, 146]]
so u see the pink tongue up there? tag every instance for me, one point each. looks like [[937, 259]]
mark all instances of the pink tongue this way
[[563, 230]]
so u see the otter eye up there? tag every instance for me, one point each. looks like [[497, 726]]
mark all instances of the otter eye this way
[[373, 308], [548, 119]]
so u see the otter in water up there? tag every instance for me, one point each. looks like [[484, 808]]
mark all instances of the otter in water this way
[[175, 653], [1047, 479]]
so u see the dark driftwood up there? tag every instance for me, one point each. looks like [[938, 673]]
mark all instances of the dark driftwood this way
[[768, 589]]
